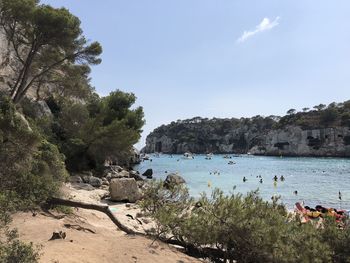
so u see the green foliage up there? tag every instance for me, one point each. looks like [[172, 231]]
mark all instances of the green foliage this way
[[63, 209], [47, 44], [31, 168], [320, 107], [244, 228], [291, 111], [11, 249], [329, 115], [345, 119], [101, 129]]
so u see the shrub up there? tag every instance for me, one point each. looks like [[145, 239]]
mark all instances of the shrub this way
[[31, 169], [243, 228], [329, 115], [345, 119], [11, 249]]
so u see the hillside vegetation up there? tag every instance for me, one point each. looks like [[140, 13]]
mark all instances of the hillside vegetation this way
[[51, 120]]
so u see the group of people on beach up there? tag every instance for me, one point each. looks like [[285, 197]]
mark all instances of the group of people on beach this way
[[319, 212]]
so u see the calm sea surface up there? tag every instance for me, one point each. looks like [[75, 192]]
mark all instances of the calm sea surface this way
[[317, 180]]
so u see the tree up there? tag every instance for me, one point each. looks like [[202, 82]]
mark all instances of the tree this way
[[320, 107], [31, 169], [104, 128], [305, 109], [333, 105], [346, 105], [43, 39], [291, 111], [329, 115]]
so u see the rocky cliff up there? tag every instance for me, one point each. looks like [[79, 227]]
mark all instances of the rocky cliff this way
[[294, 141], [300, 134]]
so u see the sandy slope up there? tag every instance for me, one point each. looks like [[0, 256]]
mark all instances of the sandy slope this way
[[108, 244]]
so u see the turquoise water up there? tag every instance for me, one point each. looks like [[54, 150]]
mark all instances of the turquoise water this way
[[317, 180]]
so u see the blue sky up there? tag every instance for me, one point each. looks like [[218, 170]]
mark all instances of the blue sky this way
[[219, 58]]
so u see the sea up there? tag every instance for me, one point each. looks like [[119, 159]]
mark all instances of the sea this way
[[313, 181]]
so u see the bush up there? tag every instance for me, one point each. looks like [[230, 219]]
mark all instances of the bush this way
[[11, 249], [329, 115], [31, 169], [243, 228], [345, 119]]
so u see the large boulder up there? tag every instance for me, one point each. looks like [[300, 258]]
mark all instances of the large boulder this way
[[148, 173], [124, 189], [173, 179]]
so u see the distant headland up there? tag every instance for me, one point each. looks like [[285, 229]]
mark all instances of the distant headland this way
[[322, 131]]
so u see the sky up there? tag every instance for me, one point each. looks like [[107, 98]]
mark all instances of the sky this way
[[219, 58]]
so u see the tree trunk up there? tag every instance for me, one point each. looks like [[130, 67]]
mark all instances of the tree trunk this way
[[205, 252]]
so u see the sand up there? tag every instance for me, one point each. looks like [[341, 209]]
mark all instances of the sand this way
[[107, 244]]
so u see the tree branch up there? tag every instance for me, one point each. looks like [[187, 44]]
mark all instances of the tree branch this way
[[205, 252], [43, 72]]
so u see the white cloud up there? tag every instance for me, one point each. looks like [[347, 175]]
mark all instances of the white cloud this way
[[265, 25]]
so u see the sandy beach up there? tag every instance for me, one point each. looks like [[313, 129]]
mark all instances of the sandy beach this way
[[98, 239]]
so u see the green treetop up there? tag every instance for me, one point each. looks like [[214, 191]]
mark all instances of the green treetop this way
[[43, 39]]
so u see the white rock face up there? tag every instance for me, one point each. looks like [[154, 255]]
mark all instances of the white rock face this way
[[289, 141], [124, 189], [294, 141]]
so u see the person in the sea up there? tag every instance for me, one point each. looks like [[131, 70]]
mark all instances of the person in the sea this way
[[244, 179], [339, 195], [261, 180], [275, 178], [295, 192], [282, 178]]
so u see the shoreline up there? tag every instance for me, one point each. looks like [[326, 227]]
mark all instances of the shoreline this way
[[257, 155]]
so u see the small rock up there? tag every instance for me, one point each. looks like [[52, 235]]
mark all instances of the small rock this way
[[75, 179], [123, 174], [105, 183], [173, 179], [58, 235], [148, 173], [145, 221], [95, 182], [135, 175], [83, 186]]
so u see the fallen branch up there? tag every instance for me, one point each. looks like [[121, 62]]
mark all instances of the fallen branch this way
[[101, 208], [79, 228], [206, 252]]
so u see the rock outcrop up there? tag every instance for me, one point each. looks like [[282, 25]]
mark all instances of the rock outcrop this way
[[124, 189], [148, 173], [173, 179], [294, 141], [258, 135]]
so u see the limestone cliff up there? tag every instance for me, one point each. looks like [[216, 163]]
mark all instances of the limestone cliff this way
[[301, 134], [294, 141]]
